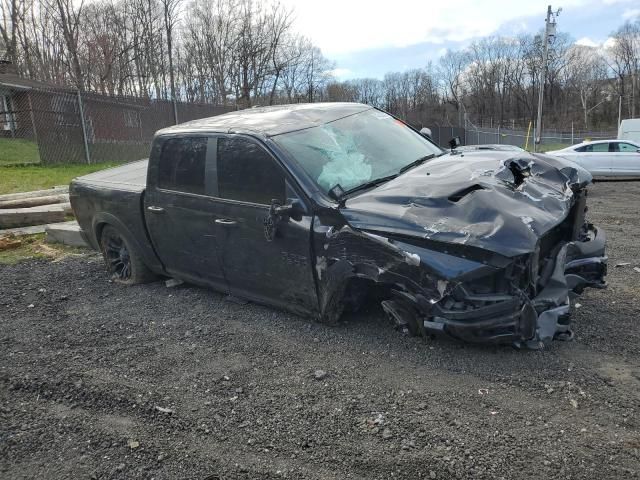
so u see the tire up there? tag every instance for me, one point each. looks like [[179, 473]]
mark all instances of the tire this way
[[123, 263]]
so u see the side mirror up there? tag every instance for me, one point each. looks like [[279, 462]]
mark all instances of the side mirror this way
[[455, 142], [293, 209], [280, 213]]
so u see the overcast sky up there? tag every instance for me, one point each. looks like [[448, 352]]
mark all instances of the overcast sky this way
[[372, 37]]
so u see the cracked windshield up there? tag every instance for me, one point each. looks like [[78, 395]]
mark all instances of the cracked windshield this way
[[356, 150]]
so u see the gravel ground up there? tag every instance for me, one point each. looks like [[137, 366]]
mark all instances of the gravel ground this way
[[103, 381]]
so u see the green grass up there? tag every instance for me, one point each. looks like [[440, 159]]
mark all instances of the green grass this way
[[18, 151], [552, 146], [24, 178], [547, 147]]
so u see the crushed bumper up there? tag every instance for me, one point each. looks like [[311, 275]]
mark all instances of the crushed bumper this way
[[529, 322]]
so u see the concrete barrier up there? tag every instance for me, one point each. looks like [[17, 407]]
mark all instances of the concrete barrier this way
[[66, 233]]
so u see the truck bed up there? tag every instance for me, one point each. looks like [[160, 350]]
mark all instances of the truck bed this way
[[130, 177], [114, 196]]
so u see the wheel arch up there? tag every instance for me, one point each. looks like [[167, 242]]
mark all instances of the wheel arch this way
[[101, 220]]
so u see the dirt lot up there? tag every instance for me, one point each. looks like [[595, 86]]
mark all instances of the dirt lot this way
[[103, 381]]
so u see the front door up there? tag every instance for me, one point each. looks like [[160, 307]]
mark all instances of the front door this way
[[180, 210], [626, 159], [258, 264]]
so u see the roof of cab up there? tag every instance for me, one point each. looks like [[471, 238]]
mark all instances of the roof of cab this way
[[270, 121]]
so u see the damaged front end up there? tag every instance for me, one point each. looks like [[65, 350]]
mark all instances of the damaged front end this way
[[460, 266], [527, 303]]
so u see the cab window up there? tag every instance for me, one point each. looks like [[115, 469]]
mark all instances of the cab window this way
[[246, 172], [182, 164]]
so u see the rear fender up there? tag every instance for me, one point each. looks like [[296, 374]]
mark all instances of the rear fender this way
[[144, 249]]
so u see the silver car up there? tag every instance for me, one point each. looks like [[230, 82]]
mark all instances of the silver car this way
[[605, 158]]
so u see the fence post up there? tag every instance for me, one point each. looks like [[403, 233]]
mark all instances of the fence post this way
[[10, 112], [571, 133], [87, 155], [175, 110]]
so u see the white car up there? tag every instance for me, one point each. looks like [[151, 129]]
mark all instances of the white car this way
[[605, 158]]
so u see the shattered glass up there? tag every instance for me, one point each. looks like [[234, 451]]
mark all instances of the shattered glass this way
[[356, 149]]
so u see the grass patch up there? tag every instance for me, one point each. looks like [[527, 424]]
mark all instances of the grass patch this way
[[34, 246], [24, 178], [548, 147], [18, 151]]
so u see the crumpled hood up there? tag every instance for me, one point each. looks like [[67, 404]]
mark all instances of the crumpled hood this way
[[499, 201]]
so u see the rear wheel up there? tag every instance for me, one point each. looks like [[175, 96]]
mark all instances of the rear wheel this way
[[123, 263]]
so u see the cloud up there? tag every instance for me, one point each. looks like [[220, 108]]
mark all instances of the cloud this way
[[340, 72], [340, 27], [586, 42], [631, 13]]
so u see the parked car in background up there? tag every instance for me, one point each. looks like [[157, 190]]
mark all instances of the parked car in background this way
[[496, 147], [605, 158], [629, 130]]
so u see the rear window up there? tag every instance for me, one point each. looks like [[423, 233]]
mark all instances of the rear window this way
[[182, 164]]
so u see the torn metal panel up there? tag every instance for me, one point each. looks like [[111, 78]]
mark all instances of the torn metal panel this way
[[477, 203]]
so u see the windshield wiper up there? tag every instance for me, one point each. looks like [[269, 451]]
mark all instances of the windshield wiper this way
[[370, 183], [417, 162]]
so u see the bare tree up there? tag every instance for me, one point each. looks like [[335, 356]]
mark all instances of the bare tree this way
[[9, 9], [586, 74], [67, 16]]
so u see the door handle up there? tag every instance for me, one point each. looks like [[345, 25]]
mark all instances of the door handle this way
[[226, 222], [153, 209]]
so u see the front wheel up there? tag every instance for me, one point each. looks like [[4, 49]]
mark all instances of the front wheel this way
[[123, 263]]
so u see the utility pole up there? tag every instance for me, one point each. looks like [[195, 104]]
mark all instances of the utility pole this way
[[549, 32], [619, 110]]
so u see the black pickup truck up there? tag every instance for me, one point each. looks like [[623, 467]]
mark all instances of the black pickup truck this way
[[320, 208]]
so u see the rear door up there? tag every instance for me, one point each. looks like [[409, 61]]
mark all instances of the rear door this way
[[180, 210], [596, 158], [270, 269], [625, 159]]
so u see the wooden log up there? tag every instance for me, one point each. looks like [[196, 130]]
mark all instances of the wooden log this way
[[22, 231], [31, 230], [34, 202], [22, 217], [9, 242], [36, 193]]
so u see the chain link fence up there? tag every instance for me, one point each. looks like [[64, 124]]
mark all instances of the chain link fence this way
[[72, 127], [58, 126], [551, 140]]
